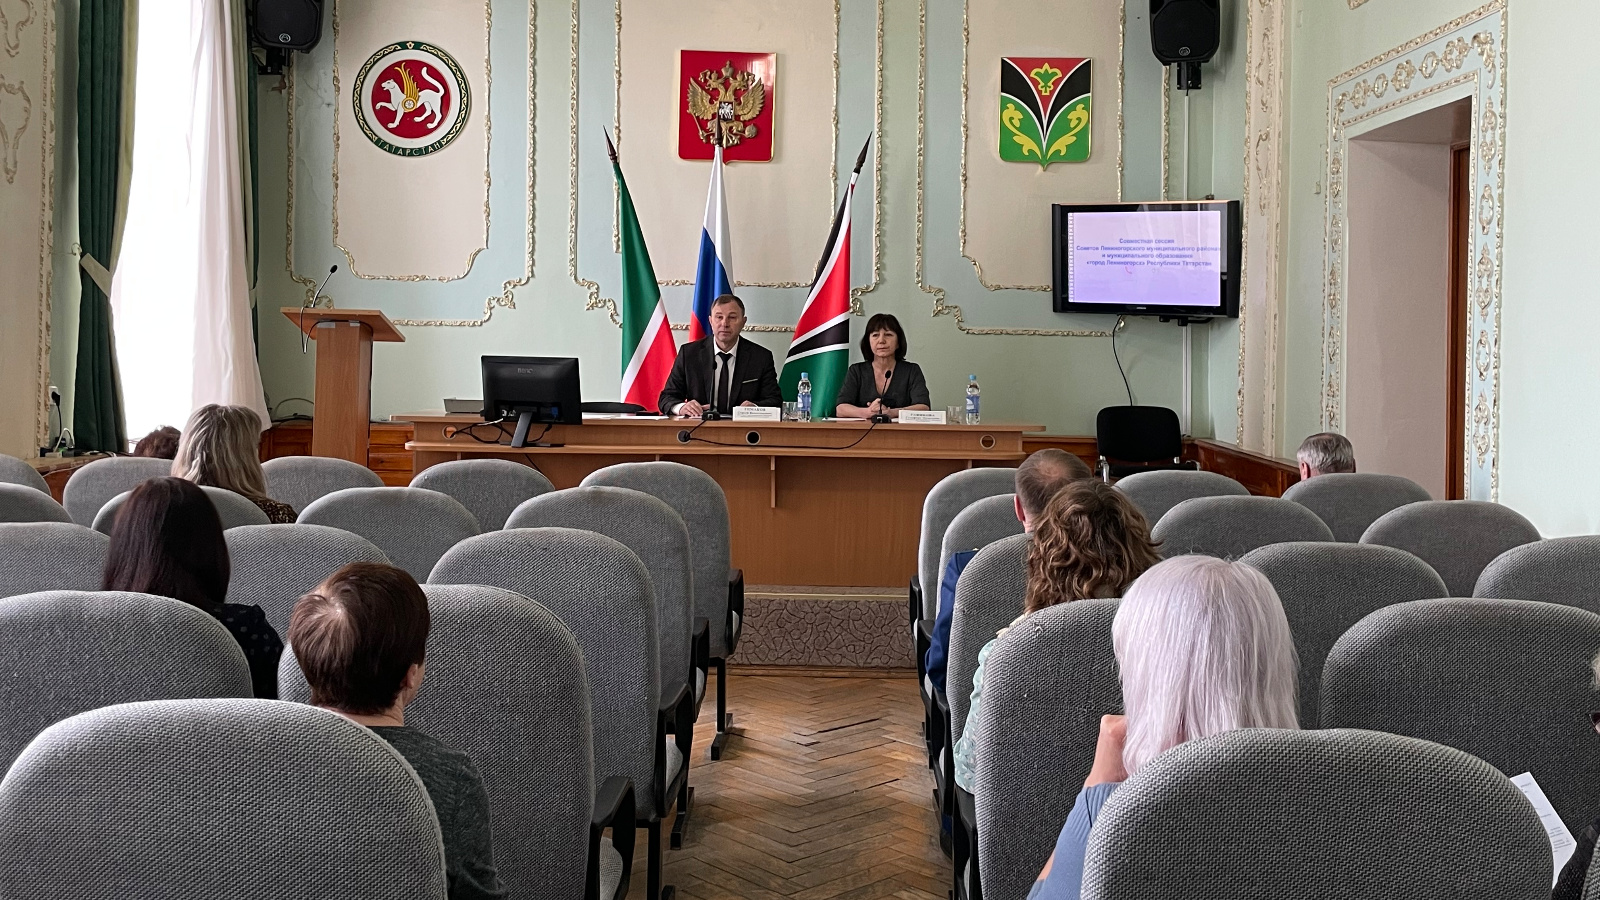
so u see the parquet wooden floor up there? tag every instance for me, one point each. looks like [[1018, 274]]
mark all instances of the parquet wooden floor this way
[[821, 794]]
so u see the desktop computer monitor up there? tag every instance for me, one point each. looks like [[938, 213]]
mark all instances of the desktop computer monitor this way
[[533, 389]]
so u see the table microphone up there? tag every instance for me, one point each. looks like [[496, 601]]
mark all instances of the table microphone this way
[[305, 346], [883, 418]]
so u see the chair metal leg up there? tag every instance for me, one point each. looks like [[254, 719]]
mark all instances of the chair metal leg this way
[[724, 718], [653, 887], [680, 821]]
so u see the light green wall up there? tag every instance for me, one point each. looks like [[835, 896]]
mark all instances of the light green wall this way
[[1056, 381]]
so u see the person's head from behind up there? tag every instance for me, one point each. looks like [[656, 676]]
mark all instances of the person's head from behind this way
[[727, 320], [221, 448], [159, 444], [884, 339], [1325, 454], [1090, 542], [361, 638], [167, 540], [1040, 476], [1204, 647]]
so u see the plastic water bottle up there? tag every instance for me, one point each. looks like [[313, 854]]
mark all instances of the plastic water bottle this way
[[973, 399], [805, 396]]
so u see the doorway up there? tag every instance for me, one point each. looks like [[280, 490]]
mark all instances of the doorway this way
[[1410, 214]]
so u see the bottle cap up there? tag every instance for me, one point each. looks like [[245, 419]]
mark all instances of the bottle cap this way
[[972, 378], [805, 374]]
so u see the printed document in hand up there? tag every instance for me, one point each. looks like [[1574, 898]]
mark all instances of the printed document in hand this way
[[1562, 843]]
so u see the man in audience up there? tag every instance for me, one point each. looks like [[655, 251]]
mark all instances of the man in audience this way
[[1038, 479], [1325, 454], [360, 639]]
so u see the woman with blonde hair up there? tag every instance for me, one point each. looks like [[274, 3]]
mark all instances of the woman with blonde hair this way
[[1203, 647], [220, 447], [1090, 543]]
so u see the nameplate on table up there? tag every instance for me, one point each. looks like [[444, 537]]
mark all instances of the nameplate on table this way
[[757, 414], [923, 417]]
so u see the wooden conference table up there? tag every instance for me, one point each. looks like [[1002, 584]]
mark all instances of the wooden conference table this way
[[812, 503]]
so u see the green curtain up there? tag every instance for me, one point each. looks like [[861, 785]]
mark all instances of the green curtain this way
[[104, 121]]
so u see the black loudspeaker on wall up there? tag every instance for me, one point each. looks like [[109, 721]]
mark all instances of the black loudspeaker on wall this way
[[289, 24], [1184, 34]]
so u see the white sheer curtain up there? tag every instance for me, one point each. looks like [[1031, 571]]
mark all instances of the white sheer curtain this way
[[180, 297]]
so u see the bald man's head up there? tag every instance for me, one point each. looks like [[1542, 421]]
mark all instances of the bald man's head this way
[[1044, 473]]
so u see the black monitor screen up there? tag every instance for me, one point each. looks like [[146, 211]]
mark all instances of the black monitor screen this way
[[541, 387]]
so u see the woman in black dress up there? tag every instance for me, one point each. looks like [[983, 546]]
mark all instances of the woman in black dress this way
[[883, 383]]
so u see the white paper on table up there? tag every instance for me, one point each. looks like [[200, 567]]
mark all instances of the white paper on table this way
[[1562, 844]]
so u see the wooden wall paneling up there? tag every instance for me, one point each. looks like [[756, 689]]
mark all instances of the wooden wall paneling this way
[[1265, 476]]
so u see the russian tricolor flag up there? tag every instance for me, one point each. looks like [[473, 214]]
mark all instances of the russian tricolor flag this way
[[714, 275]]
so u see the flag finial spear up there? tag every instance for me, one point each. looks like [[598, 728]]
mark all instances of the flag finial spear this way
[[611, 149], [862, 159]]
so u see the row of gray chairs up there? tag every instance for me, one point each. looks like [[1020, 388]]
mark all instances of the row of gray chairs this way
[[1508, 682], [506, 684]]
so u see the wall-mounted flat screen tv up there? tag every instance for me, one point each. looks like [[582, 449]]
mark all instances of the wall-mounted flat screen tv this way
[[1178, 260]]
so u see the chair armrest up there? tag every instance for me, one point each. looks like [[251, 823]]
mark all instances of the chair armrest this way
[[676, 719], [914, 599], [735, 605], [700, 657], [924, 632], [614, 809]]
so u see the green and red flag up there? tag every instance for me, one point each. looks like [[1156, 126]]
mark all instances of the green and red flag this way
[[821, 343], [648, 348], [1045, 103]]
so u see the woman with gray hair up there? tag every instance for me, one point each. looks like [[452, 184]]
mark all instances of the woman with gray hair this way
[[221, 447], [1203, 647]]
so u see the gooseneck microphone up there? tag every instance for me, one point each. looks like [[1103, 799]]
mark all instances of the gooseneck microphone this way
[[305, 345], [882, 418]]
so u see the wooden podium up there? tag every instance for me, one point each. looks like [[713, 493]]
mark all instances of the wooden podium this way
[[344, 375]]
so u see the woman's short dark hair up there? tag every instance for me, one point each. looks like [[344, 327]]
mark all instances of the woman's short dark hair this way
[[167, 540], [883, 322], [357, 634], [159, 444]]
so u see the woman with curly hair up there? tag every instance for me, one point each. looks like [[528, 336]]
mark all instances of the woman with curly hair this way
[[1090, 543]]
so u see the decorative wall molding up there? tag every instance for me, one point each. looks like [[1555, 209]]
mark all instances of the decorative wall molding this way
[[966, 102], [1466, 55], [595, 296], [1356, 3], [1261, 294], [27, 198], [941, 304], [505, 298]]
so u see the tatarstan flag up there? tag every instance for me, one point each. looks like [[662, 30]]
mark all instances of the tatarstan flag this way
[[821, 344], [647, 345]]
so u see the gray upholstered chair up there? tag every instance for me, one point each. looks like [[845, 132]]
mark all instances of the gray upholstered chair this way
[[15, 471], [50, 556], [657, 535], [64, 652], [1505, 680], [601, 591], [718, 585], [505, 685], [274, 565], [982, 523], [246, 799], [1328, 587], [20, 503], [1230, 527], [490, 488], [1158, 491], [235, 510], [1045, 686], [989, 595], [412, 526], [1317, 815], [1555, 570], [90, 487], [944, 502], [1349, 502], [301, 480], [1459, 538]]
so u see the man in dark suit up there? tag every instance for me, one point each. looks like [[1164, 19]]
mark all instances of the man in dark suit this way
[[721, 371]]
